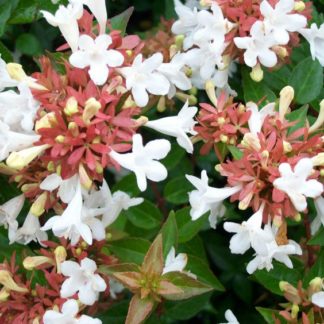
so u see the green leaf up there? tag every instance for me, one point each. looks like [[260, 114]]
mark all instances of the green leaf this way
[[190, 286], [317, 269], [255, 91], [169, 11], [186, 309], [307, 80], [120, 21], [127, 184], [201, 269], [130, 250], [116, 313], [26, 12], [174, 157], [187, 228], [5, 53], [268, 315], [28, 44], [276, 80], [299, 115], [169, 233], [236, 152], [6, 8], [176, 190], [318, 238], [270, 280], [146, 215], [122, 267]]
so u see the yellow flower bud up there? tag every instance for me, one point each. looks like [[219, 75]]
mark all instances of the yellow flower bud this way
[[287, 147], [60, 139], [47, 121], [85, 180], [7, 281], [129, 103], [30, 263], [92, 106], [18, 160], [60, 256], [211, 93], [71, 107], [299, 6], [294, 311], [223, 138], [4, 294], [141, 121], [286, 97], [320, 119], [161, 107], [38, 207], [257, 73], [318, 160]]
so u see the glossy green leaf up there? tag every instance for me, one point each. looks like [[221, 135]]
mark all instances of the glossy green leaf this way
[[5, 53], [307, 80], [187, 228], [120, 21], [176, 190], [131, 250], [300, 116], [127, 184], [169, 233], [28, 44], [146, 215], [318, 238]]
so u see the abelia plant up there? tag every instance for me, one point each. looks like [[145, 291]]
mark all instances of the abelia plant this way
[[137, 169]]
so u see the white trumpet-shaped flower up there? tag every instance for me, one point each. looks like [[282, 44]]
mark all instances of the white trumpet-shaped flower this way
[[175, 263], [279, 21], [268, 250], [257, 46], [295, 184], [249, 233], [178, 126], [69, 311], [208, 199], [9, 212], [187, 24], [70, 223], [30, 231], [99, 10], [258, 116], [66, 19], [95, 53], [82, 279], [173, 72], [143, 78], [143, 160], [230, 318], [315, 36]]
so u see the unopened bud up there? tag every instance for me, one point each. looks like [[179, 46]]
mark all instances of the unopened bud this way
[[99, 168], [294, 311], [281, 51], [251, 141], [129, 103], [299, 6], [173, 50], [211, 93], [241, 109], [16, 72], [7, 281], [287, 147], [218, 167], [74, 129], [28, 187], [223, 138], [4, 294], [318, 160], [244, 204], [18, 160], [129, 53], [221, 121], [71, 107], [179, 41], [161, 106], [30, 263], [51, 166], [92, 106], [85, 180], [60, 139], [38, 207], [193, 91], [286, 97], [78, 251], [320, 119], [60, 256], [257, 73], [316, 284], [141, 121], [184, 98], [277, 221], [47, 121]]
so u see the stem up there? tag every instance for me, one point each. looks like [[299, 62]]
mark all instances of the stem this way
[[160, 199], [310, 252]]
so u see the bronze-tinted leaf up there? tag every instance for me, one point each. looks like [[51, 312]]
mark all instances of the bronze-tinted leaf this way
[[139, 309]]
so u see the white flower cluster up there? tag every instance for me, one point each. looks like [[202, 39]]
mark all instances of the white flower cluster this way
[[88, 212], [204, 34], [144, 77], [262, 240], [17, 113]]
